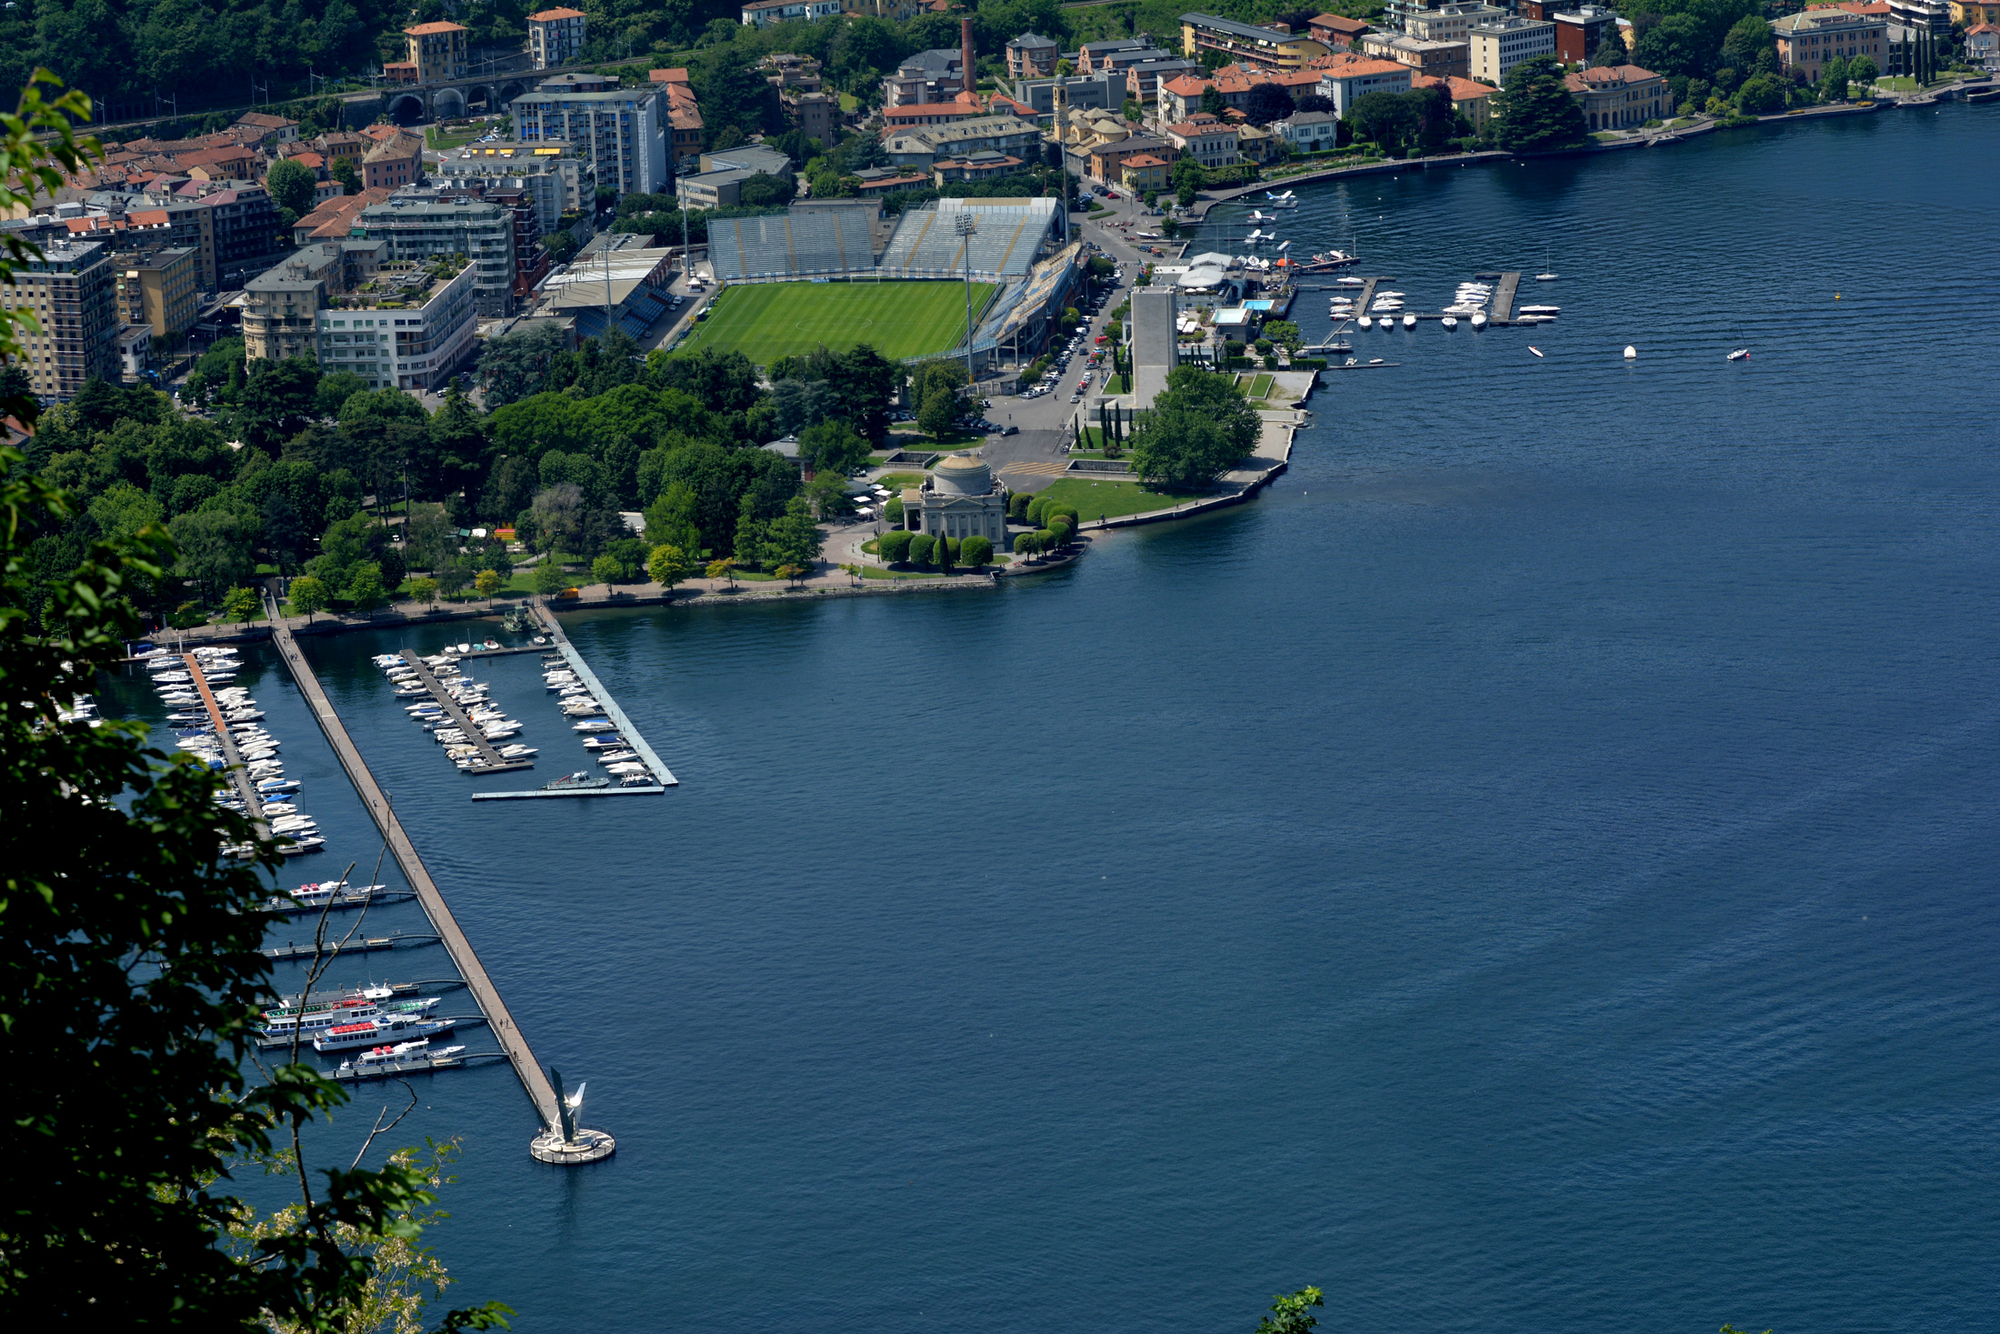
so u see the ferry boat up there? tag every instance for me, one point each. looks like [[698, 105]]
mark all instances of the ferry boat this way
[[372, 1032], [325, 892], [404, 1058], [279, 1025]]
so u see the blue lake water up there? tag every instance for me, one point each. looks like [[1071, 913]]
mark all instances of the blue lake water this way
[[1534, 868]]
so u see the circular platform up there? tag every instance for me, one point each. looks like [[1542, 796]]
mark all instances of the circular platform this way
[[589, 1146]]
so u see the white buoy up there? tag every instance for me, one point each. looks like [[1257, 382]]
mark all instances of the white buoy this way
[[1631, 353]]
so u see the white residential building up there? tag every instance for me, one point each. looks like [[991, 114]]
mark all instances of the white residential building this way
[[411, 331], [1504, 43], [1359, 76], [1308, 131]]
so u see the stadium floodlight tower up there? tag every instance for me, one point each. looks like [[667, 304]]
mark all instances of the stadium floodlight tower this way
[[966, 224]]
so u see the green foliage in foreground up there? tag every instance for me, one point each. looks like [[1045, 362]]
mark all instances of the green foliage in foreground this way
[[130, 978]]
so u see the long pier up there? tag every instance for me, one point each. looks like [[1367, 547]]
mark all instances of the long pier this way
[[484, 993], [496, 763], [661, 773], [239, 773]]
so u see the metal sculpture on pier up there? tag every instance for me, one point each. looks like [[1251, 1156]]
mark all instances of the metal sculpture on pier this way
[[564, 1141]]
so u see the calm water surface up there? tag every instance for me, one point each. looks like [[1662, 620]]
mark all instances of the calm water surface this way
[[1533, 869]]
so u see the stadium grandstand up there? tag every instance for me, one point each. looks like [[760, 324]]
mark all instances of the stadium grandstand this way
[[820, 240], [806, 241], [630, 283]]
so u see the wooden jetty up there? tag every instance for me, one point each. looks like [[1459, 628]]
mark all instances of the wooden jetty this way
[[661, 773], [363, 945], [540, 1091], [496, 763], [232, 758]]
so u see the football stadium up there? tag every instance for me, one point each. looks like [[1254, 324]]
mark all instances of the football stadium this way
[[837, 272]]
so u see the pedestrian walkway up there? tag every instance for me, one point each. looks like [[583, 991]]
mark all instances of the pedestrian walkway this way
[[1038, 469]]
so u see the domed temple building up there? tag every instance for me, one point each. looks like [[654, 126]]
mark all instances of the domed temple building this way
[[960, 499]]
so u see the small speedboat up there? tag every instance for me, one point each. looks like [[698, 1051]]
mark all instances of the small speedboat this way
[[1631, 353], [1409, 321], [1537, 351], [1540, 278], [1739, 354], [1541, 310], [1479, 319], [1450, 322], [1365, 322]]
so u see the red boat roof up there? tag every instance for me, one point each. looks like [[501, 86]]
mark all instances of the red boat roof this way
[[354, 1028]]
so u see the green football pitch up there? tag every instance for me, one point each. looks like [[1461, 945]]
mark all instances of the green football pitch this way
[[901, 320]]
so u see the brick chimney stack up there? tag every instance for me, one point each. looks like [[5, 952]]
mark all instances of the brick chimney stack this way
[[970, 77]]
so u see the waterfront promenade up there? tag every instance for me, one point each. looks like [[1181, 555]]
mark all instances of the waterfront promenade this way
[[484, 993]]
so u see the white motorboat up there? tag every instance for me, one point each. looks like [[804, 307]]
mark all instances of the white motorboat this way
[[1537, 351], [1349, 282], [1545, 277], [594, 725], [300, 847], [1365, 322], [1739, 354], [1409, 321], [1541, 310], [1449, 322], [1631, 353], [1479, 319]]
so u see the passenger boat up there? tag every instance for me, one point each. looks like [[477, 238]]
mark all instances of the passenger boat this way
[[319, 895], [371, 1032], [1541, 310], [404, 1058], [279, 1025]]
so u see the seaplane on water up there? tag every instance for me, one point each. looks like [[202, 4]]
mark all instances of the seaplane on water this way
[[1285, 200]]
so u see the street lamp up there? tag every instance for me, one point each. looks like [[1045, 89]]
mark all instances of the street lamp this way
[[966, 224]]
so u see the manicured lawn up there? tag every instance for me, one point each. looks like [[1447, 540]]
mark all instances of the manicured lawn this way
[[896, 481], [440, 138], [899, 319], [1110, 499]]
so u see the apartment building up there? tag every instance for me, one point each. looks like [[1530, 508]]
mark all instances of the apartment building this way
[[1274, 48], [1449, 23], [1437, 60], [393, 163], [436, 55], [555, 37], [1580, 31], [73, 294], [999, 134], [1336, 32], [550, 175], [1032, 56], [421, 228], [684, 123], [622, 134], [928, 76], [1501, 44], [1097, 57], [408, 327], [763, 13], [1204, 138], [158, 288], [1356, 76], [281, 305], [1806, 41]]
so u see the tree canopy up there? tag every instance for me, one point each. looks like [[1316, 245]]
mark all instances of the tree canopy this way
[[1197, 427], [1535, 113]]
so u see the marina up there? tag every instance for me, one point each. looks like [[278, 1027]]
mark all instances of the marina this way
[[239, 774], [662, 775], [490, 759], [541, 1092]]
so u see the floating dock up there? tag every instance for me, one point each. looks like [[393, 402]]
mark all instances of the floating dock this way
[[496, 763], [615, 790], [362, 946], [661, 773], [487, 996], [1503, 299], [232, 758]]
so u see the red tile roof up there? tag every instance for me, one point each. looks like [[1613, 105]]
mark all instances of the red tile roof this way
[[428, 29]]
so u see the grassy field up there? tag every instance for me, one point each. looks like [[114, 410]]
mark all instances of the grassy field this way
[[1110, 499], [899, 319]]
